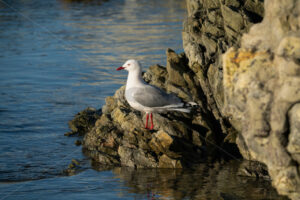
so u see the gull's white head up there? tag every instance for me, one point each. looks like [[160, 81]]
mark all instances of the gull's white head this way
[[131, 65]]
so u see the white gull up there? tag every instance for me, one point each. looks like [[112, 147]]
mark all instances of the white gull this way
[[147, 98]]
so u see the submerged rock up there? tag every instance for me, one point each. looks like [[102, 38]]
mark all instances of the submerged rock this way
[[73, 168]]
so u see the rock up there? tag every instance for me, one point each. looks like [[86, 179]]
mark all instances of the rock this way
[[76, 162], [83, 121], [255, 10], [262, 94], [254, 169], [119, 138], [293, 146], [175, 68], [167, 162], [136, 158], [156, 75], [210, 29], [77, 142], [232, 3], [73, 168], [232, 20], [160, 142]]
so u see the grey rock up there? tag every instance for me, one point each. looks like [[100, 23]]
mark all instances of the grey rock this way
[[210, 29], [232, 19], [262, 94], [253, 169], [294, 136]]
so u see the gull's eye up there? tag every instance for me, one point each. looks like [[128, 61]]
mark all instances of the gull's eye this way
[[128, 64]]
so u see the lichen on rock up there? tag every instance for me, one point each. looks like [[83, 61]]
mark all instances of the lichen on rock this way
[[262, 94], [211, 28]]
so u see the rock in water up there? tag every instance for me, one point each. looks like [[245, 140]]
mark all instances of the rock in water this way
[[179, 140], [83, 121], [119, 138]]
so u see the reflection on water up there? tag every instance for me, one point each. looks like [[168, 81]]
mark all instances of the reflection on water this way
[[207, 181]]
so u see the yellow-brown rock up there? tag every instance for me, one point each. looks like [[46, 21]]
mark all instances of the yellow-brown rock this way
[[167, 162]]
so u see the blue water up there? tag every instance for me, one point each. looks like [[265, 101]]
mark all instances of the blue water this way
[[58, 57]]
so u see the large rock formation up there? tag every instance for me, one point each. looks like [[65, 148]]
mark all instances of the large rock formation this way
[[211, 28], [262, 93]]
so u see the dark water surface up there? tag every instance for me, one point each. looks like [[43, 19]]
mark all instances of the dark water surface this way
[[58, 57]]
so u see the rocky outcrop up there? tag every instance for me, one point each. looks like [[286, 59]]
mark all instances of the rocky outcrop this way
[[211, 28], [115, 135], [262, 93], [118, 137], [83, 122], [260, 79], [178, 139]]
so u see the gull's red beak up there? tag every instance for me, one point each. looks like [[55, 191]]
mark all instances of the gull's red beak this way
[[120, 68]]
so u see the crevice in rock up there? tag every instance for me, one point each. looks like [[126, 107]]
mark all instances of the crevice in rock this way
[[253, 17]]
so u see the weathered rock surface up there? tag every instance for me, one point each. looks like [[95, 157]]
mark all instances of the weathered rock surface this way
[[83, 122], [179, 139], [262, 93], [211, 28]]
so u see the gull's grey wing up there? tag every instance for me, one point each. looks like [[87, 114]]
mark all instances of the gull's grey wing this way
[[151, 96]]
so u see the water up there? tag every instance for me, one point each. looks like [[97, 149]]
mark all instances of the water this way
[[58, 57]]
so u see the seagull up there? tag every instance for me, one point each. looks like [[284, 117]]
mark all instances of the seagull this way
[[148, 98]]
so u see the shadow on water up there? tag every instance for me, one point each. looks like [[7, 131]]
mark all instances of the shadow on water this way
[[206, 181]]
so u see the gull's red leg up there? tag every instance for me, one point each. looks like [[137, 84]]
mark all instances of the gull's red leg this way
[[147, 118], [151, 119]]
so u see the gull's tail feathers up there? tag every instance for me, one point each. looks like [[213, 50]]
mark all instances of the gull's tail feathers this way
[[185, 110]]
